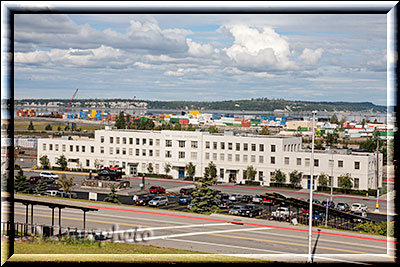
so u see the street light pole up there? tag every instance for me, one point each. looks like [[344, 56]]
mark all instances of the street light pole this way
[[377, 171], [310, 212]]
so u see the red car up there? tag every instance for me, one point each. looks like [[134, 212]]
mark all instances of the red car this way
[[156, 189]]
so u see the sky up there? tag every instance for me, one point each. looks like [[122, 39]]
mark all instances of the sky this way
[[202, 57]]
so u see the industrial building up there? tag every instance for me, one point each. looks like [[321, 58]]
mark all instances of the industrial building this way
[[134, 150]]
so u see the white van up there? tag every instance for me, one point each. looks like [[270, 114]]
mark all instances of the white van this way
[[52, 193]]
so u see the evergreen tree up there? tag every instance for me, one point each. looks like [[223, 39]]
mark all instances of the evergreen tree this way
[[112, 197], [21, 184], [120, 123], [206, 201], [41, 187], [31, 127]]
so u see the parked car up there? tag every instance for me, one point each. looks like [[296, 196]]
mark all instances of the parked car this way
[[251, 210], [110, 174], [246, 198], [143, 200], [360, 213], [358, 206], [269, 201], [236, 210], [63, 194], [224, 203], [52, 193], [157, 190], [235, 197], [221, 195], [330, 204], [158, 201], [257, 199], [342, 206], [186, 191], [282, 212], [184, 200], [47, 174], [34, 179]]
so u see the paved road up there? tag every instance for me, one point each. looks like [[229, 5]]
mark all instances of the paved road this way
[[236, 236]]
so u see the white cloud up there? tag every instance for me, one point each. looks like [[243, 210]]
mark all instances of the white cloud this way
[[199, 50], [311, 57], [259, 49]]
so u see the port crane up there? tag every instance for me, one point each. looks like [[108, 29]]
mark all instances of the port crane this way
[[72, 99]]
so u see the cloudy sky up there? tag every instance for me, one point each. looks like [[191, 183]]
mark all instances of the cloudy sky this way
[[202, 57]]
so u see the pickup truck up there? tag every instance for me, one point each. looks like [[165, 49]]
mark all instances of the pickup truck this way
[[282, 212]]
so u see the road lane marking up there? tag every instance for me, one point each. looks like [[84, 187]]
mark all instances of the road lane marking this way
[[201, 233], [251, 224], [288, 243]]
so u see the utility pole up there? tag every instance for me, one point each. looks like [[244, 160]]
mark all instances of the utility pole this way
[[310, 212], [377, 170]]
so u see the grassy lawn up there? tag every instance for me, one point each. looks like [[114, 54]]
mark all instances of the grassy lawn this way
[[115, 252], [22, 125]]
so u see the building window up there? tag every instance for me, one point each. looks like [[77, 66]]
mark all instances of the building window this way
[[77, 148], [340, 163], [222, 156], [230, 146], [130, 140], [56, 147], [272, 160], [50, 147], [193, 155], [330, 163], [229, 157], [137, 141], [101, 139], [260, 176], [87, 163], [237, 146], [143, 152], [261, 147], [356, 183], [168, 143], [168, 154], [71, 148], [261, 159], [286, 160], [150, 153], [273, 148], [157, 153], [307, 162], [181, 154], [91, 149], [111, 139], [316, 162], [44, 147], [150, 142], [357, 165], [245, 158], [237, 158], [207, 155], [64, 147], [137, 152], [181, 143], [83, 149], [130, 151], [117, 140], [253, 147], [253, 158], [245, 147], [222, 145], [298, 161], [102, 150], [124, 140], [221, 173], [215, 145], [207, 144], [144, 141], [111, 151], [157, 142], [215, 156], [193, 144], [117, 150], [123, 151]]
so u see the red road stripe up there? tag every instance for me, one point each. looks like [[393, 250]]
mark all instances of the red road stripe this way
[[250, 224]]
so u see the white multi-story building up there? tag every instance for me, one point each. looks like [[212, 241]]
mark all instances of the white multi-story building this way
[[134, 150]]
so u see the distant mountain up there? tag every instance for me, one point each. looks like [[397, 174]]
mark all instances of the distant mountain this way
[[259, 104]]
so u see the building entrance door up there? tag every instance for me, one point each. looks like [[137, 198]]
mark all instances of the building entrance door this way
[[181, 172], [133, 169]]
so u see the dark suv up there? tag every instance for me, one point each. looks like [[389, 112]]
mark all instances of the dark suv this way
[[186, 191], [110, 174], [330, 204], [251, 210]]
